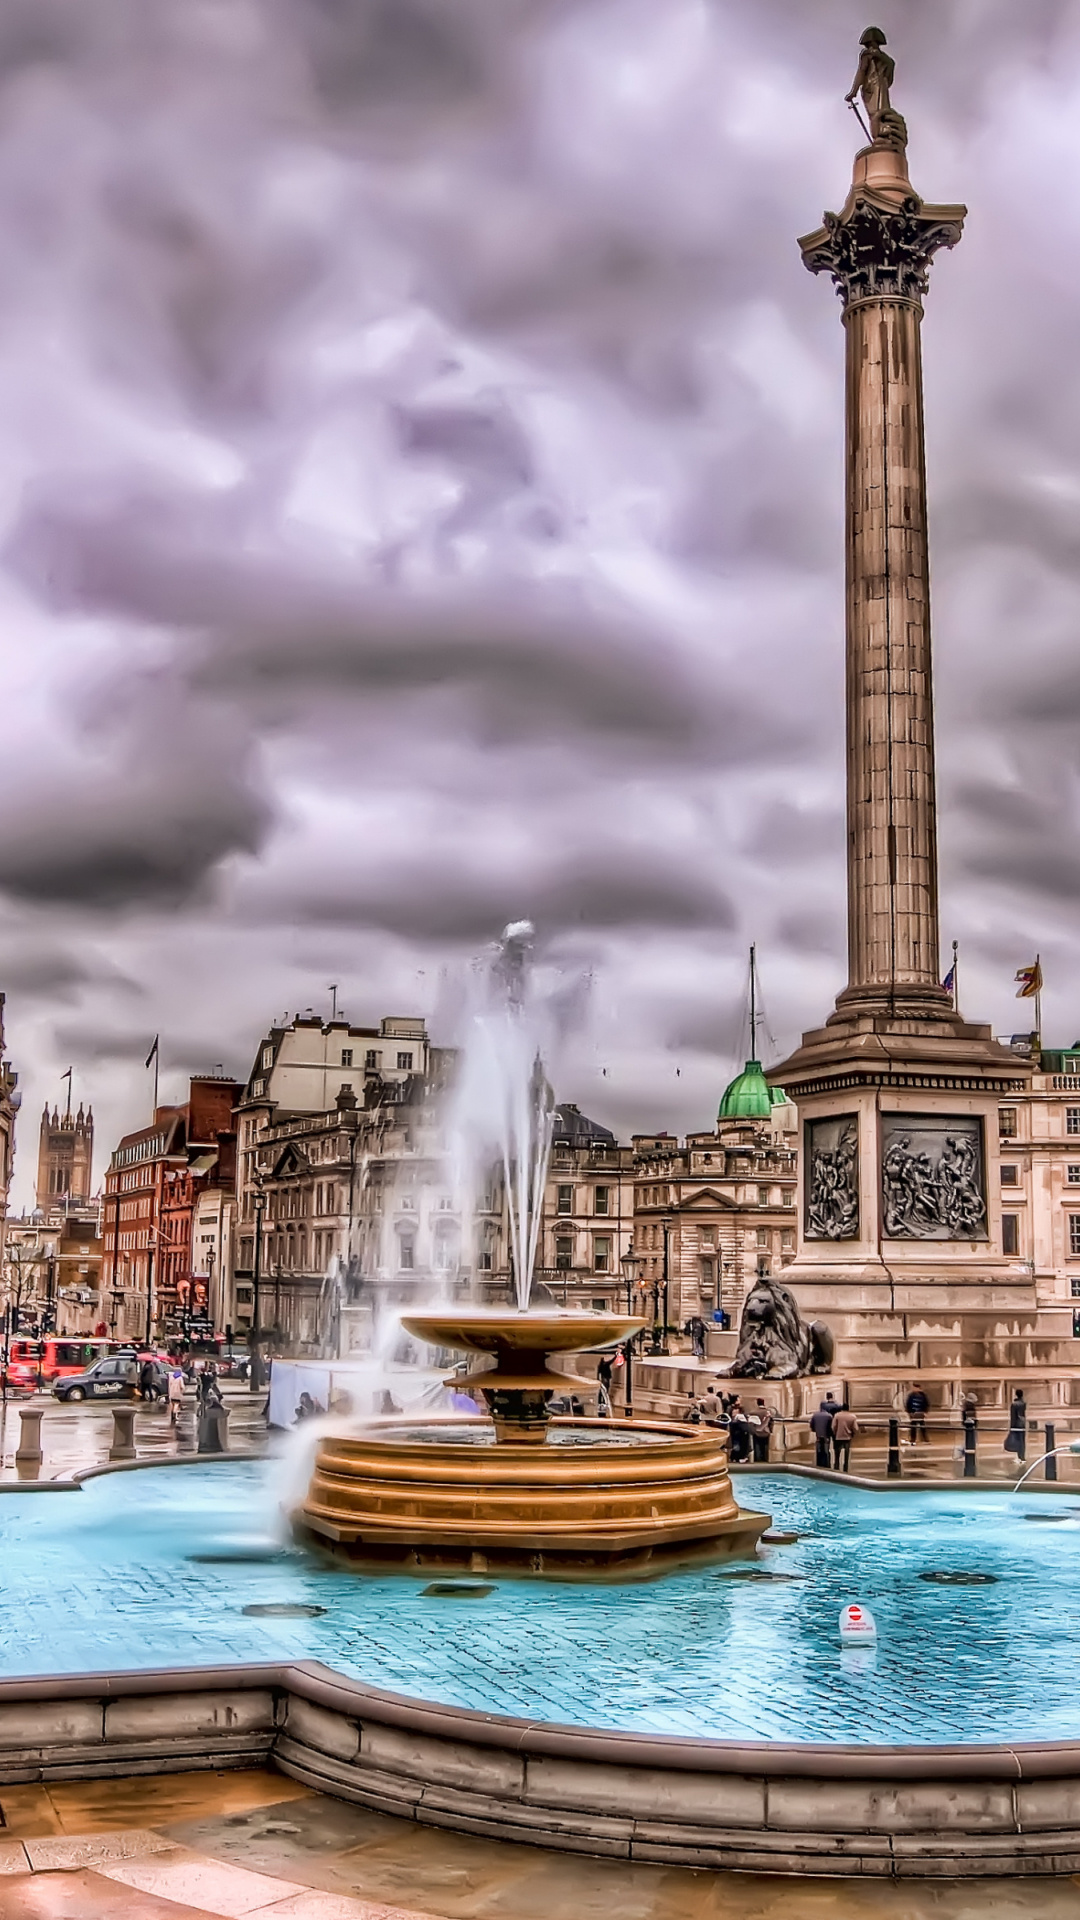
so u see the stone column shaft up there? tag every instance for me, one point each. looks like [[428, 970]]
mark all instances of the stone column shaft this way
[[892, 832]]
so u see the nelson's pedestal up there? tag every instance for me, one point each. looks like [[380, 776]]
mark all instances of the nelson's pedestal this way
[[900, 1216]]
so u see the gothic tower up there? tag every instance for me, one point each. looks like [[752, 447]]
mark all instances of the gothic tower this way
[[65, 1153]]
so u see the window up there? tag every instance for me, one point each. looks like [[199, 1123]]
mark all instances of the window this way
[[602, 1199], [408, 1203], [787, 1239], [267, 1058], [258, 1088], [1010, 1233], [1072, 1119], [1074, 1286], [404, 1061], [564, 1255], [708, 1273], [1074, 1233], [602, 1254], [763, 1236], [598, 1306], [564, 1200], [1007, 1122], [371, 1057], [1072, 1173], [346, 1056], [407, 1256], [763, 1196], [1010, 1176], [484, 1263]]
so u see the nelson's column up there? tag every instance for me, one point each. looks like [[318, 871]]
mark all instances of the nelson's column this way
[[900, 1217]]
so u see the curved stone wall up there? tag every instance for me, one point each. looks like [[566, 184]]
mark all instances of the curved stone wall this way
[[920, 1812]]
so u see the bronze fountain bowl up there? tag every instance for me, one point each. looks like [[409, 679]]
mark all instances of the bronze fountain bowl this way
[[524, 1493]]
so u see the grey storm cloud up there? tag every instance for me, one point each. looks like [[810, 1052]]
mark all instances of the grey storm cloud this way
[[421, 504]]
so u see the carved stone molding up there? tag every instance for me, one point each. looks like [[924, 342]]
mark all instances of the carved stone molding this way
[[878, 252]]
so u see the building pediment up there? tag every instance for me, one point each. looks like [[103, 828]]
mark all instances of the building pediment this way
[[291, 1160], [707, 1199]]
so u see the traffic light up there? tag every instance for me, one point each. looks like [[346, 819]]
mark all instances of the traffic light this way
[[1076, 1323]]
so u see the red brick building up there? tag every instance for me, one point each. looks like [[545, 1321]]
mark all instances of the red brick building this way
[[152, 1187]]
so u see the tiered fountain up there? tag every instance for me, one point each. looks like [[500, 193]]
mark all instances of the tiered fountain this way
[[520, 1490]]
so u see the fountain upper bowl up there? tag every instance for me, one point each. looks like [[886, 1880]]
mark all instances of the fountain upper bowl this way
[[494, 1330]]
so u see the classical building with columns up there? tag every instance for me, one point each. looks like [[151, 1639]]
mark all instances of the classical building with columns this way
[[902, 1244]]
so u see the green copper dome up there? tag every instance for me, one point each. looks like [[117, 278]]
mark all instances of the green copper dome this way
[[750, 1096]]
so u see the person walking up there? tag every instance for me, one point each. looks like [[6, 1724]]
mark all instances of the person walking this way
[[1016, 1438], [844, 1428], [148, 1380], [821, 1428], [604, 1371], [695, 1327], [176, 1393], [917, 1406], [761, 1432]]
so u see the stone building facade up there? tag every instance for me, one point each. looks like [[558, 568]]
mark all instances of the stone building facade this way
[[1039, 1179], [715, 1210], [9, 1105], [341, 1194], [588, 1215], [145, 1223]]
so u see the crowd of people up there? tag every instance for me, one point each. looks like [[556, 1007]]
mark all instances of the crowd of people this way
[[749, 1428]]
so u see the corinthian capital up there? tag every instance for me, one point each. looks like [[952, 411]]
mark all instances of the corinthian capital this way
[[879, 249]]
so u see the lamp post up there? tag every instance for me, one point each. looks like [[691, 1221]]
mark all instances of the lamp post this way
[[667, 1275], [255, 1379], [628, 1264]]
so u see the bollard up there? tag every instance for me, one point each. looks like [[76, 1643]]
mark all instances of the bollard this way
[[213, 1430], [1050, 1468], [123, 1440], [29, 1453], [969, 1449], [893, 1468]]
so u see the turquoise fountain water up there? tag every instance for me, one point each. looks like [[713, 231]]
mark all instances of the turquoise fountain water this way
[[159, 1567]]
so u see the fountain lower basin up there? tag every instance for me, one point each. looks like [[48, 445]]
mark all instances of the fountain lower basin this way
[[598, 1499]]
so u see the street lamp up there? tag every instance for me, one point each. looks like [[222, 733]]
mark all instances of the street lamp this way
[[255, 1379], [628, 1263]]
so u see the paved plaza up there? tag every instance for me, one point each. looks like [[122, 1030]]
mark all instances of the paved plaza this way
[[255, 1844]]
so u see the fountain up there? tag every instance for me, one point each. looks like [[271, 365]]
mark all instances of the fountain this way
[[521, 1490]]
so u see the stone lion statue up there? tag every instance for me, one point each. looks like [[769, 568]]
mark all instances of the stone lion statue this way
[[775, 1342]]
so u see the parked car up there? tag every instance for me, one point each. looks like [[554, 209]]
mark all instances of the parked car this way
[[115, 1379]]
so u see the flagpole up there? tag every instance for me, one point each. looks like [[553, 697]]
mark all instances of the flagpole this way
[[1038, 1004], [956, 976]]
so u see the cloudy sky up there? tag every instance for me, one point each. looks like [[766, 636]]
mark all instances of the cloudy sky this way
[[420, 506]]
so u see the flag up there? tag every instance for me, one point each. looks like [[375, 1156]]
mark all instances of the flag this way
[[1031, 980], [949, 982], [152, 1055]]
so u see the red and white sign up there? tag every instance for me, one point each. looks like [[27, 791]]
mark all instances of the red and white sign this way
[[857, 1624]]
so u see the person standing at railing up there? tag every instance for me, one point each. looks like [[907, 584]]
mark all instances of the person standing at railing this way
[[821, 1427], [844, 1428], [1016, 1438], [917, 1406]]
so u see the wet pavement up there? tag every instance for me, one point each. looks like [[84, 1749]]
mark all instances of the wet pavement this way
[[75, 1437], [255, 1843]]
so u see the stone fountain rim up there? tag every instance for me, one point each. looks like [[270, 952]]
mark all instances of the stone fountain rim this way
[[319, 1683]]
